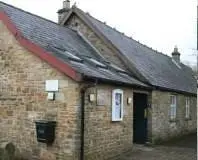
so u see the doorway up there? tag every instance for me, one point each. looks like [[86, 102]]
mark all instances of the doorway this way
[[140, 118]]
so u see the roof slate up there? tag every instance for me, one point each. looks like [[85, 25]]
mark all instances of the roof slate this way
[[159, 69], [57, 39]]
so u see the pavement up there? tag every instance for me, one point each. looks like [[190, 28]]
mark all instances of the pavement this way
[[183, 148], [188, 141]]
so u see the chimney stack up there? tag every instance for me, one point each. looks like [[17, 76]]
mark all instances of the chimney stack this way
[[63, 12], [176, 55], [66, 4]]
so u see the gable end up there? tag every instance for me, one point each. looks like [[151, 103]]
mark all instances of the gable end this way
[[37, 50], [114, 54]]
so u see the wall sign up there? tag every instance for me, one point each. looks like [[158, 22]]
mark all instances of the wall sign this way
[[103, 97], [51, 85]]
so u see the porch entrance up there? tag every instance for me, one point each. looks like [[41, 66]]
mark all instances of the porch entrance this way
[[140, 118]]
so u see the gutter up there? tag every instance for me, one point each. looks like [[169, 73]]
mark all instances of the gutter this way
[[173, 90], [112, 82]]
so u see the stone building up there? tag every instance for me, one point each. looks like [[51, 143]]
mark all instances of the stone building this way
[[104, 90]]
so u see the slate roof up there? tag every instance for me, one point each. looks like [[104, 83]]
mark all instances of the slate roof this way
[[59, 40], [157, 68]]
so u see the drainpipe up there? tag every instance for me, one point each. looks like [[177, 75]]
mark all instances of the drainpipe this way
[[83, 91], [82, 123]]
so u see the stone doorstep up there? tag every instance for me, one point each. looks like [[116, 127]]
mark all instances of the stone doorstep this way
[[142, 147]]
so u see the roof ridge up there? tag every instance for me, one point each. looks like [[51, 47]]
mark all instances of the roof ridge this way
[[122, 33], [28, 12]]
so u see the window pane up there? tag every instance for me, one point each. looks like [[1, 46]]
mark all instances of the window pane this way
[[175, 112], [187, 111], [187, 107], [173, 100], [186, 101], [172, 111]]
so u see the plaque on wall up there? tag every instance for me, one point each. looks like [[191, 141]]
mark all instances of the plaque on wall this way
[[103, 97]]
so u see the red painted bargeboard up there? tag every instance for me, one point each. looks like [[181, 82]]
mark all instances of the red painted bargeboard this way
[[37, 50]]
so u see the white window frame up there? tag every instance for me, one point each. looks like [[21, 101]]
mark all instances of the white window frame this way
[[114, 117], [173, 107], [187, 114]]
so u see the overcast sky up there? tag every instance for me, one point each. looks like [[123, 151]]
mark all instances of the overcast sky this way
[[160, 24]]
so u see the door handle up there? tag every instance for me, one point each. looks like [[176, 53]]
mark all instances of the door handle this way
[[145, 113]]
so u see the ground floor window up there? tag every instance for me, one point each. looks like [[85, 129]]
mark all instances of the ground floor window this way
[[117, 105], [173, 107], [187, 107]]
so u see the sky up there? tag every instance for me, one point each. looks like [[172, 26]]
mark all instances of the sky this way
[[160, 24]]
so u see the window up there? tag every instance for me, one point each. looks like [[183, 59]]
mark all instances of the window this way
[[72, 56], [117, 105], [62, 52], [117, 68], [97, 63], [173, 107], [187, 107]]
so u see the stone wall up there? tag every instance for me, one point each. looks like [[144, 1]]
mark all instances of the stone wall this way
[[162, 127], [104, 138], [106, 52], [23, 100]]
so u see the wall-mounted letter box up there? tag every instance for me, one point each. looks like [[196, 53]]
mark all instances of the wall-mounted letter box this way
[[45, 131]]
